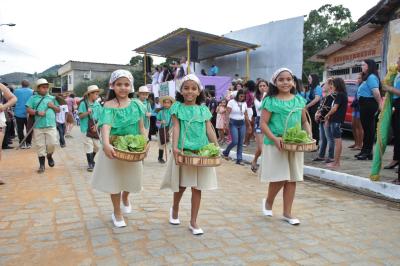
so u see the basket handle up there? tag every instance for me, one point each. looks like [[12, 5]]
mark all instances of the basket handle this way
[[186, 129], [290, 114]]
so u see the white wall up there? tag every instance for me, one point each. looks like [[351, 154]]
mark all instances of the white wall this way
[[281, 46]]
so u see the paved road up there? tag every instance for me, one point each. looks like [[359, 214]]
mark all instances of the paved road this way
[[57, 219]]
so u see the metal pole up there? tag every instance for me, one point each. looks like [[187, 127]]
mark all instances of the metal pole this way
[[248, 64], [145, 68], [188, 52]]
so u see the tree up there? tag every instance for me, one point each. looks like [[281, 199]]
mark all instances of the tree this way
[[137, 70], [323, 27], [136, 61], [81, 88]]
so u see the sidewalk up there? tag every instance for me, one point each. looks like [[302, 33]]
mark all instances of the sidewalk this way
[[352, 174]]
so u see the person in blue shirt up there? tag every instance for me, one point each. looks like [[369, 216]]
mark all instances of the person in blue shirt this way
[[313, 97], [23, 94], [395, 91], [213, 71], [369, 99]]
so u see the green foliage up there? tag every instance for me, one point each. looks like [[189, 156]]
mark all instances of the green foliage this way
[[136, 61], [81, 88], [130, 143], [210, 150], [296, 135], [323, 27], [138, 76], [137, 70]]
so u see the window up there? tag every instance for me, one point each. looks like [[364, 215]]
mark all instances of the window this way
[[339, 72], [356, 69]]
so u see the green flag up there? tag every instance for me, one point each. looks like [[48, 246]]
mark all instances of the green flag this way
[[382, 135]]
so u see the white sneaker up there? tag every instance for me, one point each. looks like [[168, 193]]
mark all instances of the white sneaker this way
[[126, 209], [172, 220], [118, 223], [23, 146], [292, 221], [264, 210], [196, 231]]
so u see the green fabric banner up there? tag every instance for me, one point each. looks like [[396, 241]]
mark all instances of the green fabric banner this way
[[382, 135]]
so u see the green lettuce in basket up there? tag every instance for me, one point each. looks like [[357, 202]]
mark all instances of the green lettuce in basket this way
[[130, 143], [296, 135], [210, 150]]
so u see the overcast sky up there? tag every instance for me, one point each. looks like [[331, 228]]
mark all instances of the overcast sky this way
[[53, 32]]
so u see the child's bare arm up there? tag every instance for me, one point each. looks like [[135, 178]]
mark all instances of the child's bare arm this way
[[175, 134], [212, 137], [141, 127], [304, 121]]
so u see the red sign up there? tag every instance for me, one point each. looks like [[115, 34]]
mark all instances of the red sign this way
[[353, 56]]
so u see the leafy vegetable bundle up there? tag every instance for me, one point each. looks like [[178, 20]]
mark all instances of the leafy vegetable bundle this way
[[130, 143], [390, 75], [209, 150], [296, 135]]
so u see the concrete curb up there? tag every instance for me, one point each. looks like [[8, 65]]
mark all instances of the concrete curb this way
[[352, 182]]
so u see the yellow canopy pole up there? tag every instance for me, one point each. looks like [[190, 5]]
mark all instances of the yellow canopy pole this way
[[145, 68], [248, 64], [188, 52]]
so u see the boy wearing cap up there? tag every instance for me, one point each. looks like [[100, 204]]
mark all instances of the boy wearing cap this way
[[143, 94], [90, 109], [164, 125], [44, 107]]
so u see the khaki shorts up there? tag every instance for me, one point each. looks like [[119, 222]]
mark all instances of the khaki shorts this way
[[281, 165], [45, 140], [91, 145]]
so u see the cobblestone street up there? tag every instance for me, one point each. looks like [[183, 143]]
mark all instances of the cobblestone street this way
[[57, 219]]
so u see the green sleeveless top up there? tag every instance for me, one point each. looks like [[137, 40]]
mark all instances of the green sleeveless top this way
[[194, 118], [123, 121]]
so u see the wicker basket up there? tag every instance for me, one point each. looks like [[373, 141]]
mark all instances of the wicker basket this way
[[193, 160], [199, 161], [129, 156], [299, 147]]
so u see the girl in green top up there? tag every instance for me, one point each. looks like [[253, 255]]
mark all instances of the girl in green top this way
[[279, 167], [121, 116], [192, 130]]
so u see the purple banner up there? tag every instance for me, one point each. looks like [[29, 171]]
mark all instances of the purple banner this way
[[221, 84]]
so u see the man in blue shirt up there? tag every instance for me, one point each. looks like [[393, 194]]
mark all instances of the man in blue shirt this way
[[213, 71], [23, 94]]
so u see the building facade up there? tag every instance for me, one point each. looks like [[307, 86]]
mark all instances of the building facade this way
[[370, 41], [74, 72]]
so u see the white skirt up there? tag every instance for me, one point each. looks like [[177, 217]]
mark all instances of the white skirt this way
[[281, 165], [201, 178], [114, 176]]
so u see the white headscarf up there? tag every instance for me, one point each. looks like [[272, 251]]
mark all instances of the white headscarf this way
[[192, 77], [121, 73], [277, 72]]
